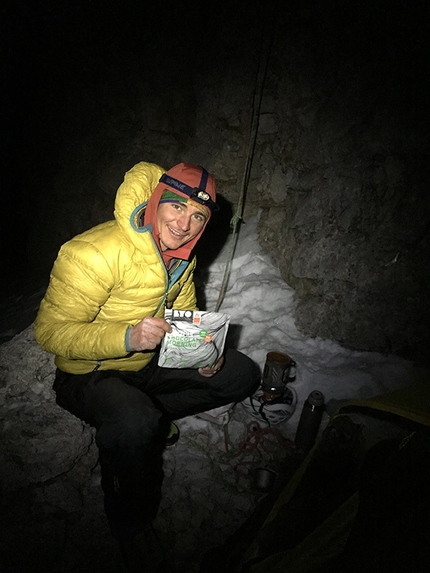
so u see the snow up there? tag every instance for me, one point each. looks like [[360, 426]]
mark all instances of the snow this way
[[263, 306]]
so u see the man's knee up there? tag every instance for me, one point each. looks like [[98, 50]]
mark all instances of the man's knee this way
[[243, 374], [138, 424], [127, 420]]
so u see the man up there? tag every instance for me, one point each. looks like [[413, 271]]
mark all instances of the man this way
[[103, 318]]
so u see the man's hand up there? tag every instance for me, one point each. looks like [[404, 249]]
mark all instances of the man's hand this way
[[208, 372], [148, 333]]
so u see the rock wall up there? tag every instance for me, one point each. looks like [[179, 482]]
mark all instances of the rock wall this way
[[339, 167]]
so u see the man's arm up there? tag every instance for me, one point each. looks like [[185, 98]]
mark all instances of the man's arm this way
[[81, 282]]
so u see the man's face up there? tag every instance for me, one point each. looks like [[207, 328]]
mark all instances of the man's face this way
[[178, 224]]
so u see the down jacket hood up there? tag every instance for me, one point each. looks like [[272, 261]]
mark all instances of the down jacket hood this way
[[132, 197]]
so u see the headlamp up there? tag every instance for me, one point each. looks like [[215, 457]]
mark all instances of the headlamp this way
[[194, 193], [200, 196]]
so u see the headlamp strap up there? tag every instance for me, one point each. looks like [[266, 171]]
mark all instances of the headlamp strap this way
[[204, 179], [197, 194]]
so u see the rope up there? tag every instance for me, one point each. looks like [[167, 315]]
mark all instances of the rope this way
[[264, 438], [260, 440], [263, 63]]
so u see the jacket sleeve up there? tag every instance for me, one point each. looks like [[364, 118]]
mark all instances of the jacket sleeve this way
[[66, 325]]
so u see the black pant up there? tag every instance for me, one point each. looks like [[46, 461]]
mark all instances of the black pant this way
[[131, 412]]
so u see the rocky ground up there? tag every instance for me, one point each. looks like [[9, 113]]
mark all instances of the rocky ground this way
[[52, 517]]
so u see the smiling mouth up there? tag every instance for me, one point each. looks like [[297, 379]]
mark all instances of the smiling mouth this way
[[176, 234]]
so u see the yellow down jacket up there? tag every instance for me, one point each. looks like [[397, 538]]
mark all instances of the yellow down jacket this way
[[108, 279]]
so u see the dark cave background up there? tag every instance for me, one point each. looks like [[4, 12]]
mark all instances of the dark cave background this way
[[340, 167]]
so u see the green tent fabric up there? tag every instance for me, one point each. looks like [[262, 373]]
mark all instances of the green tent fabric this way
[[412, 403], [324, 543], [322, 515]]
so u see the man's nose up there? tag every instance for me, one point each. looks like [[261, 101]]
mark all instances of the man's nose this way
[[184, 222]]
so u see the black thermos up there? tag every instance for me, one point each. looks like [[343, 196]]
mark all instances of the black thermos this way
[[310, 420]]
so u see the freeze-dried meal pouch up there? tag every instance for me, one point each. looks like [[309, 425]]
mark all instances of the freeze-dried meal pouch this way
[[197, 338]]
